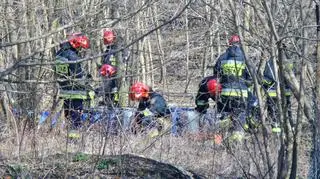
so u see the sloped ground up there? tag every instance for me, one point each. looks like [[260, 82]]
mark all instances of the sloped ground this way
[[48, 155], [39, 147]]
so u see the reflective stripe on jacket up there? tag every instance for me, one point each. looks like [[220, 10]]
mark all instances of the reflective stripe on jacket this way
[[76, 94], [233, 67], [273, 92], [234, 92]]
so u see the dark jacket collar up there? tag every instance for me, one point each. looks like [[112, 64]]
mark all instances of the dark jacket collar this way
[[67, 46]]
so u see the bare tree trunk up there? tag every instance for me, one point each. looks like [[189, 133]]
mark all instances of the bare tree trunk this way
[[187, 46], [284, 143], [141, 56], [151, 67], [316, 124], [237, 16], [163, 68], [284, 140], [209, 55], [296, 127], [148, 61], [246, 25]]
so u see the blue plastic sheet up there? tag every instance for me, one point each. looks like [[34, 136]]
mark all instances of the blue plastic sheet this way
[[43, 117], [182, 119]]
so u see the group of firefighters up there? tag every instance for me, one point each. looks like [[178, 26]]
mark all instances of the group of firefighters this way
[[230, 86]]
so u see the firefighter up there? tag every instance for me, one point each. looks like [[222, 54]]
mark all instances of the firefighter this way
[[232, 72], [116, 57], [269, 85], [108, 74], [69, 76], [209, 87], [151, 106]]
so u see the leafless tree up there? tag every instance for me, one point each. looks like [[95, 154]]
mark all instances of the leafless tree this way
[[173, 44]]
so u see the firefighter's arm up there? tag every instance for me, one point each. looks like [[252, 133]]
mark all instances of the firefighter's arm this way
[[143, 109], [75, 68], [147, 113], [158, 105], [202, 102]]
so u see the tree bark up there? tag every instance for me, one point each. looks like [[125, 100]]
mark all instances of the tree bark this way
[[316, 123]]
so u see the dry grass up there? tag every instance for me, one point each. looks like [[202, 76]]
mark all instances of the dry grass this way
[[199, 155]]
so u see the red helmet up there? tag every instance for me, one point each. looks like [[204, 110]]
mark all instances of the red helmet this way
[[214, 87], [234, 39], [79, 40], [109, 36], [139, 91], [107, 70]]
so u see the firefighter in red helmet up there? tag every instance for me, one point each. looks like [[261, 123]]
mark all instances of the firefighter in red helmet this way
[[79, 41], [69, 75], [108, 74], [116, 56], [109, 36], [209, 87], [151, 104], [233, 74], [234, 39], [235, 79], [108, 70], [139, 92]]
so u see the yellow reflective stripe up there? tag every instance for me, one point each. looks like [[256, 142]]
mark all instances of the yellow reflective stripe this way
[[234, 92], [116, 97], [113, 60], [233, 70], [287, 92], [267, 82], [91, 94], [233, 62], [73, 135], [61, 67], [276, 129], [245, 126], [73, 94], [147, 112], [273, 93], [237, 136], [233, 67]]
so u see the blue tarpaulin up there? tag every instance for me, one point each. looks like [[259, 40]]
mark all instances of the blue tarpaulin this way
[[182, 119]]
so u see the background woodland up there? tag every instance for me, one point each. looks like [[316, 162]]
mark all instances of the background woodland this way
[[173, 44]]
